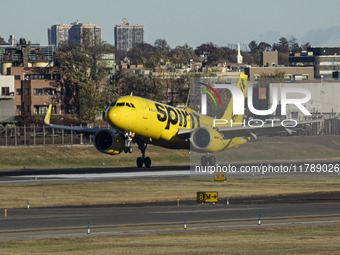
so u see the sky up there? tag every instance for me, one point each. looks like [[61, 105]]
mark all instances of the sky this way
[[180, 22]]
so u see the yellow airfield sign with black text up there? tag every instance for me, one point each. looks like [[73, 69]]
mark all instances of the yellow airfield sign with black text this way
[[207, 197]]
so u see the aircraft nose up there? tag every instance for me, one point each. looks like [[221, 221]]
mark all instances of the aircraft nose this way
[[112, 116], [107, 113]]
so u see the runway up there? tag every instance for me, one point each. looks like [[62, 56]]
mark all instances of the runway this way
[[40, 223], [62, 175], [295, 169]]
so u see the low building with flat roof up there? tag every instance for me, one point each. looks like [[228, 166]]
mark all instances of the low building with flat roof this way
[[7, 106], [290, 73]]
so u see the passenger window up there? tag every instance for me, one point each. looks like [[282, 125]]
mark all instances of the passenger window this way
[[120, 104]]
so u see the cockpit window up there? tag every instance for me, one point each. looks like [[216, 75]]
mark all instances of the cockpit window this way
[[122, 104]]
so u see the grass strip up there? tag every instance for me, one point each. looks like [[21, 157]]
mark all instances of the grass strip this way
[[287, 240], [153, 190], [269, 149]]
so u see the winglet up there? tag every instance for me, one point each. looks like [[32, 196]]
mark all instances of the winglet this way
[[48, 116]]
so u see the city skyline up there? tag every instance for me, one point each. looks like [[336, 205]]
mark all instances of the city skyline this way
[[181, 22]]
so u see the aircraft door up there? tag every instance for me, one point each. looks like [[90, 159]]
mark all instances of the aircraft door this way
[[146, 111]]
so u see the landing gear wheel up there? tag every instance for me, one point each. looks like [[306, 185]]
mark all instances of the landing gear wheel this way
[[147, 162], [204, 161], [212, 160], [128, 149], [140, 162]]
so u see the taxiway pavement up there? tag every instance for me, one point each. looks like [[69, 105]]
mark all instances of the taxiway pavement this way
[[39, 223]]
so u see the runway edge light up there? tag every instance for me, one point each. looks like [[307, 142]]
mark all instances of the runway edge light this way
[[185, 223], [259, 219], [88, 228]]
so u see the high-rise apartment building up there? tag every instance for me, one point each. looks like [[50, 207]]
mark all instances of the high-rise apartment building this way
[[77, 28], [58, 34], [127, 36], [61, 33]]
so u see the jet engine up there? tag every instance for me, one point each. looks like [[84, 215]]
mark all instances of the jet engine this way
[[207, 140], [109, 142]]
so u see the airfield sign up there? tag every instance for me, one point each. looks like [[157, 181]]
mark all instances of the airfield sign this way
[[207, 197], [220, 176]]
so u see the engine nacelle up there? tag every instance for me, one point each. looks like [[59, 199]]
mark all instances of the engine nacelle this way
[[109, 142], [207, 140]]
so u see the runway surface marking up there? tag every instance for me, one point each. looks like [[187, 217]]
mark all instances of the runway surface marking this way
[[158, 225], [112, 175], [160, 228], [208, 211]]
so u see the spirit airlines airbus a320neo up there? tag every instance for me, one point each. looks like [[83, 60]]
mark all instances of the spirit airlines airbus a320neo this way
[[142, 121]]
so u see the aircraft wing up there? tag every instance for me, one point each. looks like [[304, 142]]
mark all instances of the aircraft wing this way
[[266, 129], [253, 131], [185, 133], [89, 131]]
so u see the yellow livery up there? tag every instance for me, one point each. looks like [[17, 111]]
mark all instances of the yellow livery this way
[[142, 121]]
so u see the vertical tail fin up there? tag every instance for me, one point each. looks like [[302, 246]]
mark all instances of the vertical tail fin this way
[[228, 114]]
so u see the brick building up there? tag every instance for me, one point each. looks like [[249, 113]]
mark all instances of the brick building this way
[[35, 89]]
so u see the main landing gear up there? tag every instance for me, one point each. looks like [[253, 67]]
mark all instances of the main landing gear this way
[[205, 160], [141, 145], [142, 160]]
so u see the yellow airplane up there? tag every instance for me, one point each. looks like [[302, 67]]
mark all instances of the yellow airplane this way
[[143, 121]]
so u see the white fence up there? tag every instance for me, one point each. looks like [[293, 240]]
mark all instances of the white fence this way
[[12, 135]]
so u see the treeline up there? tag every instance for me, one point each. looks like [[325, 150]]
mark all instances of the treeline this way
[[87, 89], [284, 47], [161, 53]]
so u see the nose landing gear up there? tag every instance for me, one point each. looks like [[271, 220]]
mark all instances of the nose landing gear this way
[[128, 140]]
